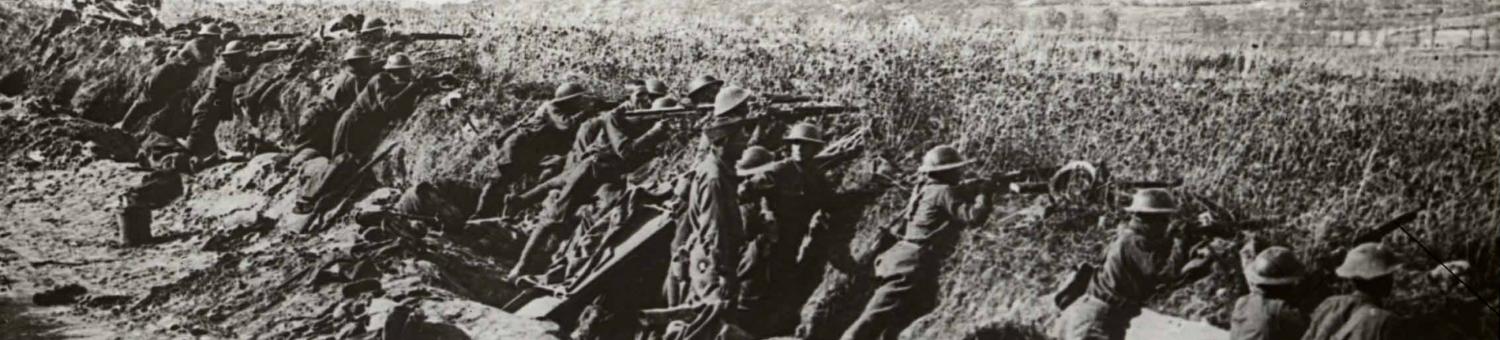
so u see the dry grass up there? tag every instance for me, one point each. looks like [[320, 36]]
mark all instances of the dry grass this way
[[1328, 147]]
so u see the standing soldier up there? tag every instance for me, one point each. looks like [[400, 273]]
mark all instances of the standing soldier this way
[[547, 133], [1359, 315], [170, 79], [234, 68], [711, 235], [1143, 257], [316, 124], [388, 97], [1269, 312], [913, 255]]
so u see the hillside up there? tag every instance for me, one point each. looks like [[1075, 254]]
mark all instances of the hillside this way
[[1322, 145]]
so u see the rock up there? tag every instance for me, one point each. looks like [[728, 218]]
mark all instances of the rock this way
[[59, 296], [442, 320], [354, 289]]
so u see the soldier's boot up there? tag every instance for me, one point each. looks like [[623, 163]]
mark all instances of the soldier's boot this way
[[135, 226]]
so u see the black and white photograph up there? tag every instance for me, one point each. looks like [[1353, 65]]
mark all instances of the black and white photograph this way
[[750, 169]]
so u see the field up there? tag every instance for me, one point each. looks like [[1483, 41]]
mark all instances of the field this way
[[1324, 141]]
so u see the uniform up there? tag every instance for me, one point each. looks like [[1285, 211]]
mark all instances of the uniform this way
[[1259, 317], [384, 100], [908, 271], [705, 261], [318, 119], [1133, 267], [214, 106], [167, 81], [1336, 312], [550, 133]]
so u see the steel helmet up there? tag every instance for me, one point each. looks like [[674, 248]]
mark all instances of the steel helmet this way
[[942, 158], [233, 48], [806, 133], [730, 98], [210, 30], [1367, 261], [1274, 266], [664, 103], [1152, 201], [568, 91], [656, 87], [373, 25], [701, 83], [399, 61], [755, 160], [356, 53]]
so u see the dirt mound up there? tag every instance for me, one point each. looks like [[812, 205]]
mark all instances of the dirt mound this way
[[220, 266], [61, 142]]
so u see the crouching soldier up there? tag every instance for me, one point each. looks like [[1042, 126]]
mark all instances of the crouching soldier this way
[[317, 121], [235, 67], [914, 253], [1359, 315], [1269, 312], [1142, 259]]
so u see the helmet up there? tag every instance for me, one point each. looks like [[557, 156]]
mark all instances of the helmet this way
[[233, 48], [942, 158], [1274, 266], [701, 83], [373, 25], [656, 87], [805, 133], [398, 61], [568, 91], [1367, 261], [210, 30], [664, 102], [730, 98], [1152, 201], [755, 160], [356, 53]]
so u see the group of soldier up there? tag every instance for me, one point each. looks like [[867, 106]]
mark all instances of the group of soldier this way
[[751, 213]]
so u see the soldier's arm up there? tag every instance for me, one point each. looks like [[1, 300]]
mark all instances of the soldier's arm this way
[[404, 103]]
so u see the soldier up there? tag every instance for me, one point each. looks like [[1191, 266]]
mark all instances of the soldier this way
[[1359, 315], [711, 235], [547, 133], [606, 149], [235, 67], [702, 90], [171, 78], [1142, 259], [913, 255], [791, 192], [316, 124], [1268, 312], [388, 97]]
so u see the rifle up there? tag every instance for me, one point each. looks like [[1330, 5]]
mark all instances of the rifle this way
[[1374, 235], [260, 38], [434, 36]]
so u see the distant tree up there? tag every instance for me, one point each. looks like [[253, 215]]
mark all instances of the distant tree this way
[[1109, 20]]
